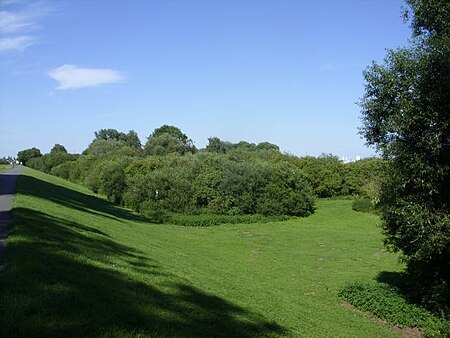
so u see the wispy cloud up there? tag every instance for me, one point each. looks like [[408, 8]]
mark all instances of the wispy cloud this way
[[9, 2], [13, 22], [74, 77], [16, 26], [18, 43]]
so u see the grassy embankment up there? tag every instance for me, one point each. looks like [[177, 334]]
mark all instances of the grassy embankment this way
[[5, 167], [77, 265]]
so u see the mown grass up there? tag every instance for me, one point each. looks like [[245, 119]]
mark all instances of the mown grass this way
[[5, 167], [77, 265]]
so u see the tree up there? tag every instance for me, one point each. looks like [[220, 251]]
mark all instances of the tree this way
[[132, 140], [168, 139], [406, 116], [267, 146], [107, 134], [58, 148], [103, 147], [216, 145], [24, 156]]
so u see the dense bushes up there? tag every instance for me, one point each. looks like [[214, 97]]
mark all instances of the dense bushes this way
[[47, 162], [387, 303], [362, 204], [330, 177], [218, 184], [225, 180]]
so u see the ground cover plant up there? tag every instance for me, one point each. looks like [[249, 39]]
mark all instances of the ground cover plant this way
[[387, 303], [77, 265]]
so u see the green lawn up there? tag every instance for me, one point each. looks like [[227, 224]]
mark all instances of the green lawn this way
[[77, 265], [5, 167]]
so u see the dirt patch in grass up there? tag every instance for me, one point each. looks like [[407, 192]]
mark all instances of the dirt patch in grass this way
[[407, 332]]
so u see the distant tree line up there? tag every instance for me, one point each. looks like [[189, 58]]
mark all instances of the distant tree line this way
[[169, 173]]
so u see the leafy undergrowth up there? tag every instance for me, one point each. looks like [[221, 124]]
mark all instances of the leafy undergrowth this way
[[78, 266], [208, 219], [387, 303], [363, 205]]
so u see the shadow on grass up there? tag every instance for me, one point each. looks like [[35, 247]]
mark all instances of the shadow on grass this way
[[73, 199], [65, 279]]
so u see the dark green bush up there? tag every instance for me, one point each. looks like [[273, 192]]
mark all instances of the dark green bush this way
[[153, 212], [386, 302], [222, 184], [215, 219], [363, 205]]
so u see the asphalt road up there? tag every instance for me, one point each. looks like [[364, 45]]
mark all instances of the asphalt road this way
[[8, 182]]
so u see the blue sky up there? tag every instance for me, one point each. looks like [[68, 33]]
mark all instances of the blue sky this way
[[284, 71]]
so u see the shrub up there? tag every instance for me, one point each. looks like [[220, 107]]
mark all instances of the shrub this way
[[215, 219], [153, 212], [363, 205]]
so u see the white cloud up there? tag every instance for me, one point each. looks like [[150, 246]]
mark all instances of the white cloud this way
[[74, 77], [9, 2], [15, 26], [13, 22], [18, 43]]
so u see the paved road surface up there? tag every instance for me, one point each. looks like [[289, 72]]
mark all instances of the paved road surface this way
[[7, 189]]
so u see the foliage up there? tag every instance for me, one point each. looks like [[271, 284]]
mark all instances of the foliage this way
[[385, 302], [405, 113], [47, 162], [216, 145], [58, 148], [225, 179], [27, 154], [168, 139], [364, 177], [102, 147], [363, 205], [220, 184], [75, 171], [111, 178], [326, 173], [130, 139], [215, 219]]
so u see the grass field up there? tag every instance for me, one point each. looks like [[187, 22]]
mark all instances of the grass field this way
[[77, 265], [4, 167]]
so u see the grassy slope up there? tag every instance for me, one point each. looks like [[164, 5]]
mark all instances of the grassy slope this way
[[4, 167], [77, 265]]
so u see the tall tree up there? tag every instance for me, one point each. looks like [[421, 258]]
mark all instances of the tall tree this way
[[107, 134], [58, 148], [132, 140], [406, 116], [168, 139], [25, 155]]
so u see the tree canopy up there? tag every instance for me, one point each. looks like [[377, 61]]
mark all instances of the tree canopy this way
[[25, 155], [168, 139], [406, 116], [58, 148], [130, 139]]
